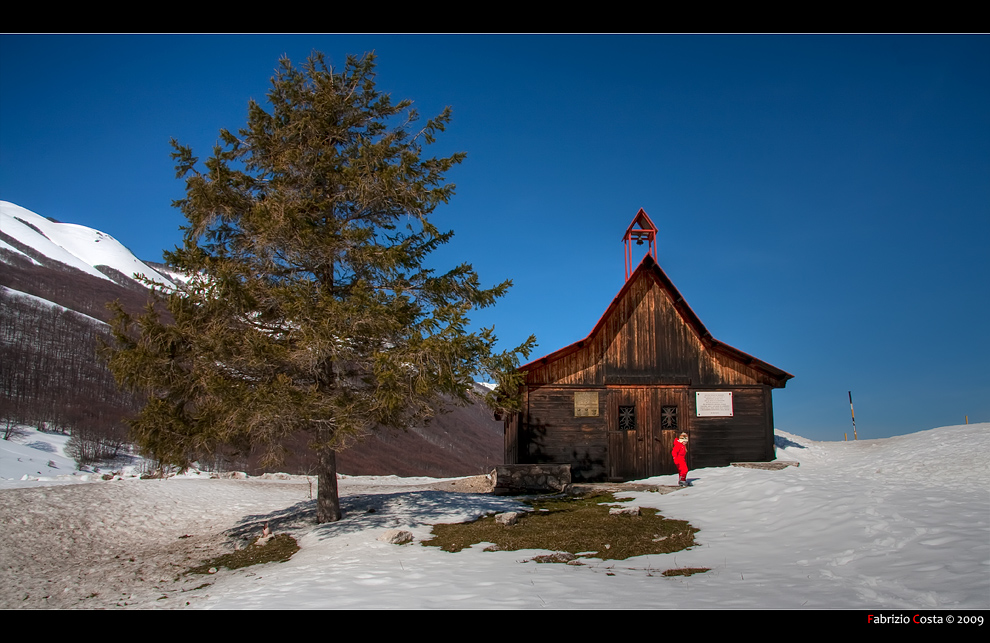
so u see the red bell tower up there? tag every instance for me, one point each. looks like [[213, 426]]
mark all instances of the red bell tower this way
[[641, 229]]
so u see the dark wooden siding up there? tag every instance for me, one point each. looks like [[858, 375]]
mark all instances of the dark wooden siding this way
[[553, 434], [747, 436]]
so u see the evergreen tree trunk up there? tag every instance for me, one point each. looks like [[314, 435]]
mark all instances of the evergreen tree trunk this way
[[327, 499]]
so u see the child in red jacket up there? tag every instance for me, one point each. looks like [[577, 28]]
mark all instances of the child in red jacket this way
[[680, 459]]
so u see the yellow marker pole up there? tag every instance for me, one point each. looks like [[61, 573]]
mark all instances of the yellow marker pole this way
[[855, 437]]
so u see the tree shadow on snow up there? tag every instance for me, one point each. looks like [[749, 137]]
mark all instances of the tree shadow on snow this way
[[412, 509], [294, 518], [781, 442], [405, 510]]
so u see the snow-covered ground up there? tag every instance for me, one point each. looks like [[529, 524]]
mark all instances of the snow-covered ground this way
[[897, 523]]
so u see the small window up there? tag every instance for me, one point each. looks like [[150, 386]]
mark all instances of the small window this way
[[627, 418], [668, 417]]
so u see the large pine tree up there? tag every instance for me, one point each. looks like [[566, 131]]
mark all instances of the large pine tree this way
[[308, 304]]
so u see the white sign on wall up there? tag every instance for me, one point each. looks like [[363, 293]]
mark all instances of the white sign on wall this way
[[714, 403]]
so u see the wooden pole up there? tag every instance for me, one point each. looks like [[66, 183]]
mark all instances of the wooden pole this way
[[855, 437]]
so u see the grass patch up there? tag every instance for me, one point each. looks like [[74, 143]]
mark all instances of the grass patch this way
[[278, 549], [685, 571], [578, 525]]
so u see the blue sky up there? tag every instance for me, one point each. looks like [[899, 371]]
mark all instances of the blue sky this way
[[823, 201]]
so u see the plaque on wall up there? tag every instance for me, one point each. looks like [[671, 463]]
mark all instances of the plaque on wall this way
[[714, 403], [585, 404]]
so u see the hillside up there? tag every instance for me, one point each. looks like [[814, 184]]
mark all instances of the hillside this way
[[55, 281], [53, 293]]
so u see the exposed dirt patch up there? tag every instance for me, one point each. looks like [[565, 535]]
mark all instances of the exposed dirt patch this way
[[121, 543], [474, 484]]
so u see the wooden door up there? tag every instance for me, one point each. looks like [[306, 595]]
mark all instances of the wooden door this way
[[671, 416], [642, 424], [626, 433]]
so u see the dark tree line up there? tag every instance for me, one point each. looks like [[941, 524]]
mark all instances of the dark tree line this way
[[50, 374], [50, 371]]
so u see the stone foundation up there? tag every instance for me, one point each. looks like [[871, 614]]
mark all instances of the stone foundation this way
[[521, 479]]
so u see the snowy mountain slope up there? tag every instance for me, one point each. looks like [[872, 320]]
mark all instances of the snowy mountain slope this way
[[41, 301], [74, 245], [16, 251]]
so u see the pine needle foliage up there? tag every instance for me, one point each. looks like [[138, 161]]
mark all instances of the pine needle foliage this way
[[309, 304]]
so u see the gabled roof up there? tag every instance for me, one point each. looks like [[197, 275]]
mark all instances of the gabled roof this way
[[649, 265]]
